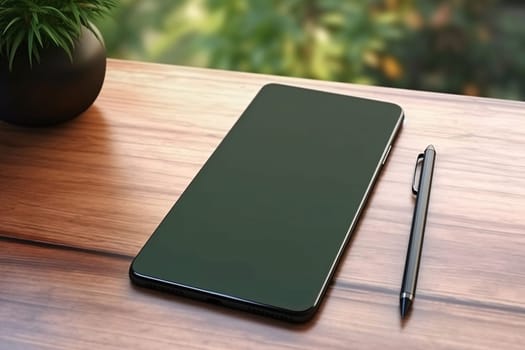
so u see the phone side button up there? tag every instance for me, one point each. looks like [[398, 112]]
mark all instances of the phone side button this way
[[386, 155]]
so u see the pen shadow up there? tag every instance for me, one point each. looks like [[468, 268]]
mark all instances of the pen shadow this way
[[404, 320]]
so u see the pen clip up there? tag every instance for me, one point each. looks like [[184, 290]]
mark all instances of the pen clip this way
[[420, 158]]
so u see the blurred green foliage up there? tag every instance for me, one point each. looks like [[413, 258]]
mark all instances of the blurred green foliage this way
[[471, 47]]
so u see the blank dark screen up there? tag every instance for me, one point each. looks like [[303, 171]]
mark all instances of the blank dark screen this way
[[265, 218]]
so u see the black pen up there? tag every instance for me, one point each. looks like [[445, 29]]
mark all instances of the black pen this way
[[415, 244]]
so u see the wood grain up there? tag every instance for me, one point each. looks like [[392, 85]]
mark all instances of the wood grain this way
[[93, 190], [84, 300]]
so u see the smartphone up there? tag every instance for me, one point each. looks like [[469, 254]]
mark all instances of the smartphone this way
[[264, 223]]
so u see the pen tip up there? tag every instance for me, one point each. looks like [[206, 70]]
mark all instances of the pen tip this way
[[404, 305]]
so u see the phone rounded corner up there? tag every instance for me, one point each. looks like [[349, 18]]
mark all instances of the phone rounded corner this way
[[402, 115], [400, 111], [303, 315], [270, 85], [133, 274]]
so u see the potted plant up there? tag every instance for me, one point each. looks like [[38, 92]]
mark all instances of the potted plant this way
[[52, 59]]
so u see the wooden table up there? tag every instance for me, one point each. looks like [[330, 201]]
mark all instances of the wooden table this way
[[79, 200]]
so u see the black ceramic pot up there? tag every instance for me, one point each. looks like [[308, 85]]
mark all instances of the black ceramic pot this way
[[55, 89]]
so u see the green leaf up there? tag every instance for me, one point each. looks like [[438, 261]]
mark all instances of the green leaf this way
[[13, 21], [65, 37], [35, 27], [36, 54], [39, 23], [12, 50], [51, 35], [30, 38], [76, 14]]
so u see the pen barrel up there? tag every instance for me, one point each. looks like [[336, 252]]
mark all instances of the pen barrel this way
[[419, 219]]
